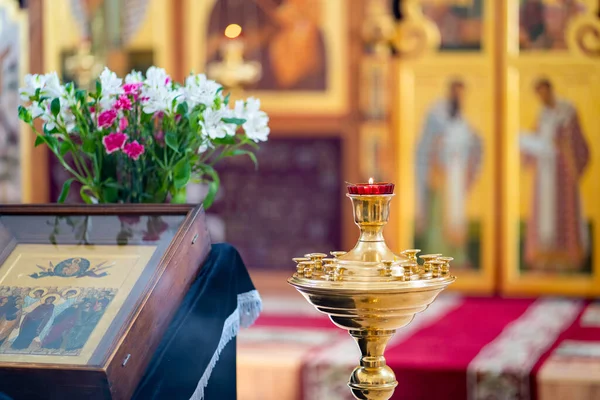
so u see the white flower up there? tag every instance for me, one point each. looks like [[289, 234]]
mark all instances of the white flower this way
[[36, 109], [239, 110], [200, 90], [111, 88], [256, 125], [213, 125], [205, 146], [32, 84], [134, 77], [52, 87], [68, 97], [252, 105], [157, 77], [159, 99]]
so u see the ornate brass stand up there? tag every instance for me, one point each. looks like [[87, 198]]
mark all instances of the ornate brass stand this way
[[371, 292]]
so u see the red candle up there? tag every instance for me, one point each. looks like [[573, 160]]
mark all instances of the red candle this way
[[371, 188]]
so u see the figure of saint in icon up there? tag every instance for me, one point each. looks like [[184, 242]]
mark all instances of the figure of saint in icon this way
[[557, 236], [448, 159], [34, 322]]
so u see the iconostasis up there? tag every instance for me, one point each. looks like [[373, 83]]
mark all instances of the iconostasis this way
[[495, 141]]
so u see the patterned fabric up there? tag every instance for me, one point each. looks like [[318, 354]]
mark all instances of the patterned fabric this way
[[502, 368], [290, 206]]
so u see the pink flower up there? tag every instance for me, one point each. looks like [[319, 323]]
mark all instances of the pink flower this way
[[123, 103], [123, 124], [114, 142], [107, 118], [134, 150], [159, 135], [132, 88], [92, 109]]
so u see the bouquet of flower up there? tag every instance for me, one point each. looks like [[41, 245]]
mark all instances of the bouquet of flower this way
[[141, 140]]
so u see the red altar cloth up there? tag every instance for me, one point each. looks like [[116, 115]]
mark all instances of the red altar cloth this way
[[460, 348]]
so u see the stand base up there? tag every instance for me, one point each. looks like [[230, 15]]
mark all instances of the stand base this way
[[373, 379]]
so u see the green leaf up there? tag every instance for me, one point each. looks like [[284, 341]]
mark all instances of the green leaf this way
[[110, 194], [52, 142], [181, 173], [240, 152], [182, 109], [80, 95], [55, 106], [89, 145], [98, 88], [213, 186], [39, 140], [226, 100], [24, 115], [237, 121], [64, 147], [195, 120], [87, 199], [225, 140], [65, 190], [220, 89], [171, 141]]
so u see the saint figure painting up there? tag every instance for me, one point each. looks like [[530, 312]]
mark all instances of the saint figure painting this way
[[557, 235], [448, 158], [50, 321]]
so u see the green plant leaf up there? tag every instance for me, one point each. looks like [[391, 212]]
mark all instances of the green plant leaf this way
[[182, 108], [65, 190], [98, 89], [87, 199], [39, 140], [181, 173], [236, 121], [195, 120], [80, 95], [24, 115], [64, 147], [241, 152], [55, 106], [213, 186], [110, 194], [89, 145], [51, 142], [226, 100], [225, 140], [171, 141]]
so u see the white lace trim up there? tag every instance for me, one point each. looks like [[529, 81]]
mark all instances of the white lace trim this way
[[249, 306], [504, 364]]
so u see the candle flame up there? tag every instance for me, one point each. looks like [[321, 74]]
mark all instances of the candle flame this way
[[370, 181], [233, 30]]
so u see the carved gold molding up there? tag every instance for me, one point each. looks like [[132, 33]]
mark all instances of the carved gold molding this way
[[415, 33], [583, 35]]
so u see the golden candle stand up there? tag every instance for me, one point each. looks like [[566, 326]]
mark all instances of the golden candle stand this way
[[371, 292]]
